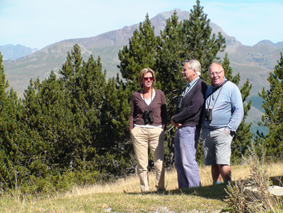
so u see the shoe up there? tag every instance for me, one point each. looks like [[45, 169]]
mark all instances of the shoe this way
[[161, 189]]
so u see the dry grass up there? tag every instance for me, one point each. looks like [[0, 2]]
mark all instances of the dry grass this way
[[124, 196], [131, 184], [251, 194]]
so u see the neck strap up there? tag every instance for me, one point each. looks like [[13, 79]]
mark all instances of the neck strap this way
[[217, 95], [145, 102]]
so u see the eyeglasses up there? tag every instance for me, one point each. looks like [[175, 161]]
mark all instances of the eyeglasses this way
[[215, 73], [187, 69], [146, 78]]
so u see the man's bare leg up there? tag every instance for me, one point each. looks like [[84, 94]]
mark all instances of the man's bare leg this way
[[225, 171], [215, 172]]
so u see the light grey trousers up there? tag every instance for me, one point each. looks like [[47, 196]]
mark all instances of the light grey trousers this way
[[186, 142]]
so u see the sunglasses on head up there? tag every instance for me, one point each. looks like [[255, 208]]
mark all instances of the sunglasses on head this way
[[146, 78]]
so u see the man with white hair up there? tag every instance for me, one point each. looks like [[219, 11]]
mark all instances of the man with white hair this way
[[187, 119]]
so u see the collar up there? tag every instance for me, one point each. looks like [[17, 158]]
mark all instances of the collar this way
[[193, 82], [224, 79]]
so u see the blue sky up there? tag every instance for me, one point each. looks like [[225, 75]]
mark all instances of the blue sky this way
[[38, 23]]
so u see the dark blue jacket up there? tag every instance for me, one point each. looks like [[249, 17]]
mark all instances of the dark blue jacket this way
[[192, 104]]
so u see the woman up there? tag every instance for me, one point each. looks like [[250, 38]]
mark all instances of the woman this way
[[148, 120]]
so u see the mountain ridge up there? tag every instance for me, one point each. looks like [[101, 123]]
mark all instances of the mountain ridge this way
[[13, 52], [107, 45], [252, 62]]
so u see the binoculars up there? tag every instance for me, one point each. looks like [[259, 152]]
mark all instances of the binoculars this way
[[147, 117], [179, 103], [208, 114]]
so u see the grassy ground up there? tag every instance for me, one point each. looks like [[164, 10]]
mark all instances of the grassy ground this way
[[124, 196]]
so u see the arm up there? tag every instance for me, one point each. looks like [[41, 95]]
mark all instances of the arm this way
[[178, 125], [163, 111], [131, 120], [194, 103], [237, 110]]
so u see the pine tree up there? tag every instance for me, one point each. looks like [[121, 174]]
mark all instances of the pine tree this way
[[140, 52], [114, 123], [200, 43], [190, 39], [273, 112], [47, 121], [7, 147], [180, 41], [169, 59], [83, 84], [11, 157], [100, 112], [75, 126]]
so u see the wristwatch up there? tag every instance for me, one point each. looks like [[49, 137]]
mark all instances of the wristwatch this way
[[232, 133]]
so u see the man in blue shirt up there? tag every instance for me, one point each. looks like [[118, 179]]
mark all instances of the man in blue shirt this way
[[223, 113], [187, 119]]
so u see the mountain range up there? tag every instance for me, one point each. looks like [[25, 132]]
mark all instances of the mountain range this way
[[13, 52], [252, 62]]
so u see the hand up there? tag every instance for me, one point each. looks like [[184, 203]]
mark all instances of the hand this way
[[178, 125], [172, 122], [227, 132], [131, 130]]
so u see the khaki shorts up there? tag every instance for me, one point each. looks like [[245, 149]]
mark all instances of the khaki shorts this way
[[216, 146]]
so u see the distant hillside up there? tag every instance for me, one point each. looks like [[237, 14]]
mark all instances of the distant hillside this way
[[39, 64], [13, 52], [258, 55], [107, 45], [278, 45]]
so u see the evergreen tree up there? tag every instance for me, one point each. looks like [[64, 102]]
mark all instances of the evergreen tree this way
[[84, 86], [53, 146], [273, 112], [190, 39], [199, 42], [19, 154], [140, 53], [115, 113], [170, 54], [71, 127], [100, 112], [48, 122], [10, 155], [180, 41]]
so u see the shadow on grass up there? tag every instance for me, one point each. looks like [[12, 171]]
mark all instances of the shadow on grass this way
[[277, 180], [211, 192]]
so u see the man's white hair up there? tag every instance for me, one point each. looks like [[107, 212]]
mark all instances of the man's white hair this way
[[194, 64]]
